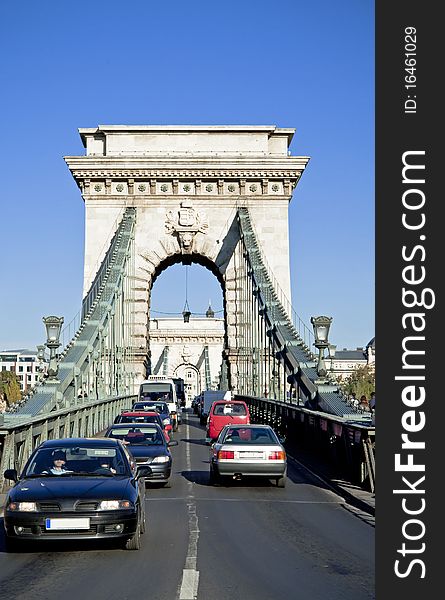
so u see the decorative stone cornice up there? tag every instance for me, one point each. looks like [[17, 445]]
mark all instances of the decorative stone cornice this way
[[186, 173]]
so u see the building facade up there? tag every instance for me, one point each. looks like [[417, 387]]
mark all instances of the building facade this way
[[342, 363], [191, 351], [25, 364]]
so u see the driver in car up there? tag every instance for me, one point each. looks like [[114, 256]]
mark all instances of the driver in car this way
[[58, 467]]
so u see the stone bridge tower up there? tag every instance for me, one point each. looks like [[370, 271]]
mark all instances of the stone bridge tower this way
[[186, 183]]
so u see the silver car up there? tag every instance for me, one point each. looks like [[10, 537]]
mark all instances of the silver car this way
[[248, 450]]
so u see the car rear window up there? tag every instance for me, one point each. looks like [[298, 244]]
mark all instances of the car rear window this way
[[257, 435], [145, 436], [138, 419], [227, 408]]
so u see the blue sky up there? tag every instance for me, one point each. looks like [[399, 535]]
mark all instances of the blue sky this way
[[308, 65]]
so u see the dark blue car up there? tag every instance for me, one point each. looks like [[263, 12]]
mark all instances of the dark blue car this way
[[148, 446], [160, 407], [77, 488]]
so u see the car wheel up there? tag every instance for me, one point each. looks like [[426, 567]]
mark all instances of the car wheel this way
[[281, 481], [134, 543]]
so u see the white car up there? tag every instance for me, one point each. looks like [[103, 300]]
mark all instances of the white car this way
[[248, 451]]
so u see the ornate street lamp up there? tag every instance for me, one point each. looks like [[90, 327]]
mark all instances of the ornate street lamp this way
[[53, 327], [332, 348], [41, 359], [186, 313], [321, 327]]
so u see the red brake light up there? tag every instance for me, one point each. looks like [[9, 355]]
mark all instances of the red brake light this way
[[277, 455], [224, 454]]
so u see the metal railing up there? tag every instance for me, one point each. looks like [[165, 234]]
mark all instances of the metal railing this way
[[19, 437], [347, 442]]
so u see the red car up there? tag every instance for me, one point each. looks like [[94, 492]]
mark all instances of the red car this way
[[140, 416], [223, 412]]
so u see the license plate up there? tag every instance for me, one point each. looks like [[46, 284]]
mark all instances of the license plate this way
[[251, 454], [53, 524]]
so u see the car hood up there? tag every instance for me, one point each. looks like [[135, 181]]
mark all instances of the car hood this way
[[49, 488], [149, 451]]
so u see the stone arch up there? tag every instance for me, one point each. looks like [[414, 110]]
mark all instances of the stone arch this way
[[192, 388], [153, 263]]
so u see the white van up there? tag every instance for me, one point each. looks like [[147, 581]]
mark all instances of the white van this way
[[158, 387]]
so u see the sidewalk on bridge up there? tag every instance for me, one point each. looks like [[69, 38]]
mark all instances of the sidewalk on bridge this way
[[354, 495]]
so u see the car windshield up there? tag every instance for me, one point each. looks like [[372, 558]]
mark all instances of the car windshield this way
[[246, 435], [77, 460], [143, 436], [156, 391], [159, 407]]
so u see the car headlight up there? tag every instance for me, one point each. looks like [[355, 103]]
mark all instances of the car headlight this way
[[160, 459], [23, 506], [115, 504]]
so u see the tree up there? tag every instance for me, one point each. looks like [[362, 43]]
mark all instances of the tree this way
[[361, 381], [10, 387]]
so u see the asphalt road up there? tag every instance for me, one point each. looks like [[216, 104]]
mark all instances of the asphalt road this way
[[238, 541]]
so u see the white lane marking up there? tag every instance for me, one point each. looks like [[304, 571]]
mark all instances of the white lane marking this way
[[190, 575], [189, 587]]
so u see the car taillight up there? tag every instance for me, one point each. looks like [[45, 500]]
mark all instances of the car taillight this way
[[277, 455], [224, 454]]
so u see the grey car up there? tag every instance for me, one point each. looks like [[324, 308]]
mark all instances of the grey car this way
[[248, 451]]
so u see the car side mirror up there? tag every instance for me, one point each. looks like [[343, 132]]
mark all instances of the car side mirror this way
[[143, 471], [11, 474], [173, 443]]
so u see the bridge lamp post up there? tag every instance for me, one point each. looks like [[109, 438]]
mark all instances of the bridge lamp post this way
[[321, 327], [53, 328], [41, 359], [332, 350]]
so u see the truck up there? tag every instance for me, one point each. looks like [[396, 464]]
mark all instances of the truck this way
[[158, 387], [207, 398]]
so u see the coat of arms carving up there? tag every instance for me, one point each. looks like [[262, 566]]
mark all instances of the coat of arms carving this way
[[185, 223]]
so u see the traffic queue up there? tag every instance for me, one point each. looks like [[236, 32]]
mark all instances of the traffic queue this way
[[94, 488]]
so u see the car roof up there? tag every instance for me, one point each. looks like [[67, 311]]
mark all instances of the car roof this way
[[138, 425], [139, 413], [247, 426], [221, 401], [73, 442]]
